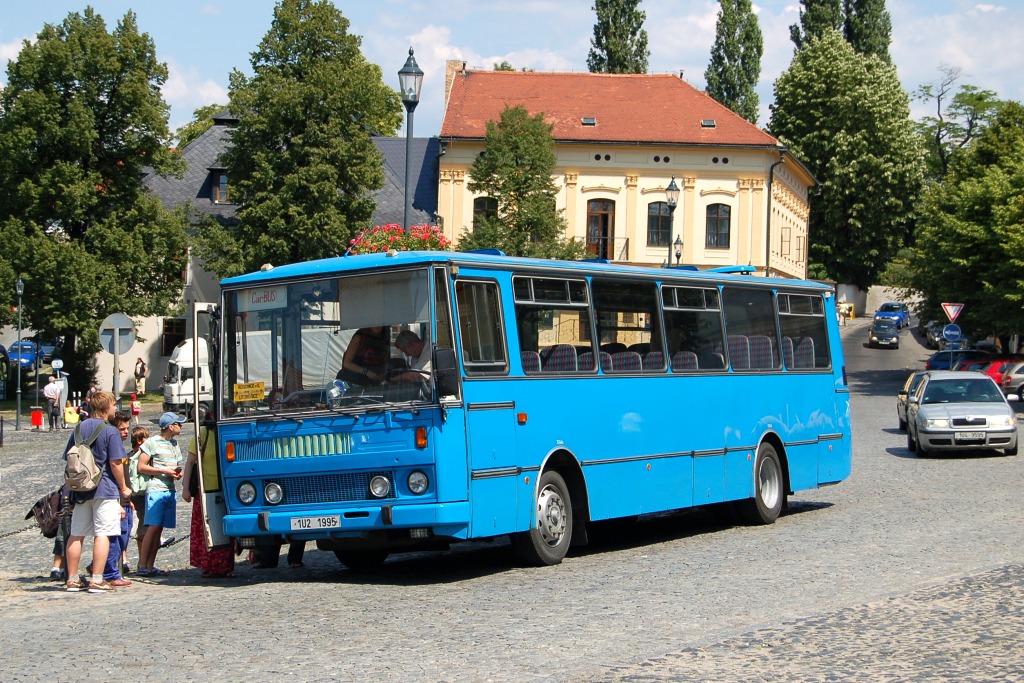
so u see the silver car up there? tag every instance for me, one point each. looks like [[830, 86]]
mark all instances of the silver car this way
[[959, 411], [1013, 381], [909, 387]]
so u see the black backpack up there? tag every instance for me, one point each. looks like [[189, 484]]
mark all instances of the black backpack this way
[[47, 513]]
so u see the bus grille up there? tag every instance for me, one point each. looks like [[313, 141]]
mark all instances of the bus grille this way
[[332, 488], [294, 447]]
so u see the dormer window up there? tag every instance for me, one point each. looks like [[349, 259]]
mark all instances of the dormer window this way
[[220, 188], [589, 121], [707, 123]]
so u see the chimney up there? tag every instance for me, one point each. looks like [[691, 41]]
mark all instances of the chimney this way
[[451, 67]]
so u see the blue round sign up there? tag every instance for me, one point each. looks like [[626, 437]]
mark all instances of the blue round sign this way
[[952, 332]]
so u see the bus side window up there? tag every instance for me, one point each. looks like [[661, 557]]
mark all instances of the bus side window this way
[[804, 332], [481, 327]]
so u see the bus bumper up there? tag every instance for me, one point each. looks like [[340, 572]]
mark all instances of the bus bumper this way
[[442, 519]]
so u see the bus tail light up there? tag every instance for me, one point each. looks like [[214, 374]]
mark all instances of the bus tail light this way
[[229, 451], [421, 437]]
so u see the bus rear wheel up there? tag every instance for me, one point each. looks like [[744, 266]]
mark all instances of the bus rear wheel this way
[[548, 541], [361, 560], [769, 489]]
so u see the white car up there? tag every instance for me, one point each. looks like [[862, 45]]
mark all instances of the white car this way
[[959, 411]]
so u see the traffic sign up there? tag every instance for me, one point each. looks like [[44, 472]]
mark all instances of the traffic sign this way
[[120, 326], [56, 364], [952, 333], [952, 311]]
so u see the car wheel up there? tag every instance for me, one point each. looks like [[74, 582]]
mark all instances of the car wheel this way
[[911, 444], [1012, 450]]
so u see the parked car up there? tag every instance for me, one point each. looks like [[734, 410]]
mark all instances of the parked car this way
[[896, 312], [998, 366], [971, 364], [47, 347], [956, 411], [909, 387], [947, 358], [883, 334], [26, 353], [1013, 380], [5, 364], [932, 334]]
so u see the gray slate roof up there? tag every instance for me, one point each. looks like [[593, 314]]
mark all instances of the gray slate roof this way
[[202, 156]]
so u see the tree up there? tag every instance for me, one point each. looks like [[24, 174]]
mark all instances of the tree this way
[[817, 17], [202, 121], [619, 45], [868, 27], [81, 119], [865, 24], [516, 169], [970, 239], [302, 163], [736, 54], [959, 118], [847, 117]]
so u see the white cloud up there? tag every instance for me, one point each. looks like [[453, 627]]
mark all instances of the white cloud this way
[[186, 91]]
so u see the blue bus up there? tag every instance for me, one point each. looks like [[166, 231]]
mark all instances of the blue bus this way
[[391, 402]]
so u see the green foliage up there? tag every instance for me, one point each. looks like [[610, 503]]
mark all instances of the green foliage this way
[[81, 119], [504, 66], [847, 117], [865, 24], [202, 121], [735, 65], [959, 118], [517, 168], [970, 241], [302, 164], [619, 45]]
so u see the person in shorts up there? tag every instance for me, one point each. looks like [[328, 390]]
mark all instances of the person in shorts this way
[[97, 513], [160, 460]]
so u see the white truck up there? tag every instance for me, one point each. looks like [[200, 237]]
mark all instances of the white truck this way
[[183, 373]]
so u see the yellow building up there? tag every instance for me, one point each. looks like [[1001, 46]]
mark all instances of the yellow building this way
[[620, 140]]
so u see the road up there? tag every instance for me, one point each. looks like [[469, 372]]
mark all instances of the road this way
[[911, 570]]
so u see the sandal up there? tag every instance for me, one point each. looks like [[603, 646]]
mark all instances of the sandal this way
[[156, 571]]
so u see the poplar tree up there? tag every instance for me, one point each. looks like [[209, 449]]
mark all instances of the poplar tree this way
[[619, 45], [848, 118], [302, 163], [517, 169], [735, 65], [82, 121], [868, 27], [817, 17]]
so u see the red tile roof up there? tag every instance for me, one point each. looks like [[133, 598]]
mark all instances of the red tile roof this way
[[627, 107]]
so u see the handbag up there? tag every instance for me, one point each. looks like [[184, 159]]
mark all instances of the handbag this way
[[193, 481]]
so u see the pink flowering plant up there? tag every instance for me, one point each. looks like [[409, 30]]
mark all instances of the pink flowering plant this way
[[392, 236]]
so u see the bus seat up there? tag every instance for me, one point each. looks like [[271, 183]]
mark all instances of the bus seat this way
[[762, 351], [531, 361], [787, 352], [613, 347], [585, 361], [804, 357], [739, 352], [559, 358], [684, 360], [626, 361], [712, 361], [606, 361], [654, 361]]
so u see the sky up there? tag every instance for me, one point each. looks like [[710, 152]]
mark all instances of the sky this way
[[201, 41]]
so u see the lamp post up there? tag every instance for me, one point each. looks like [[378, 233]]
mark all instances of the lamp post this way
[[19, 289], [410, 80], [768, 218], [672, 199]]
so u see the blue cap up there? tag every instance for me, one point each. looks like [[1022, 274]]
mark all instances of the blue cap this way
[[167, 419]]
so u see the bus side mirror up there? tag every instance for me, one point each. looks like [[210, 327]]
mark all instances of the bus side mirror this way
[[446, 372]]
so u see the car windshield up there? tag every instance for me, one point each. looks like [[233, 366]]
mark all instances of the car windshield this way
[[962, 391], [890, 308], [884, 327]]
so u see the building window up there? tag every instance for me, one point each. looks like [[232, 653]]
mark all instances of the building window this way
[[787, 239], [172, 335], [484, 207], [659, 224], [220, 188], [718, 226], [601, 228]]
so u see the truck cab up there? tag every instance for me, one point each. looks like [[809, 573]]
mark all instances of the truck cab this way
[[183, 373]]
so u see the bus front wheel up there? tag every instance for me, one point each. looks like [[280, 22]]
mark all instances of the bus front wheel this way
[[769, 488], [548, 541]]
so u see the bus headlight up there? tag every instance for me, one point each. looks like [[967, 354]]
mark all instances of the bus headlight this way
[[379, 486], [246, 493], [418, 482], [273, 493]]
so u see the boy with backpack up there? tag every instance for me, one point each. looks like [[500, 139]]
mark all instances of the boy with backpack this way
[[97, 510]]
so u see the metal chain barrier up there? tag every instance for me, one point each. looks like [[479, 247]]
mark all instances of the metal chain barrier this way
[[18, 531]]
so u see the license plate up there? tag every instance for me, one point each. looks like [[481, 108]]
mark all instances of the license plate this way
[[969, 436], [309, 523]]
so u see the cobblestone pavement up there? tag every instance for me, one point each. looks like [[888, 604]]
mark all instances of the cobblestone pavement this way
[[911, 570]]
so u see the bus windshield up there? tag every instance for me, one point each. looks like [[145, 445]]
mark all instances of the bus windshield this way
[[340, 343]]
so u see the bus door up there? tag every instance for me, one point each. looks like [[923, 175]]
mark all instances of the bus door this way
[[211, 494]]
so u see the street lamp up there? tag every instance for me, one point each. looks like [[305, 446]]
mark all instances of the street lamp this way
[[19, 289], [410, 80], [672, 198]]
